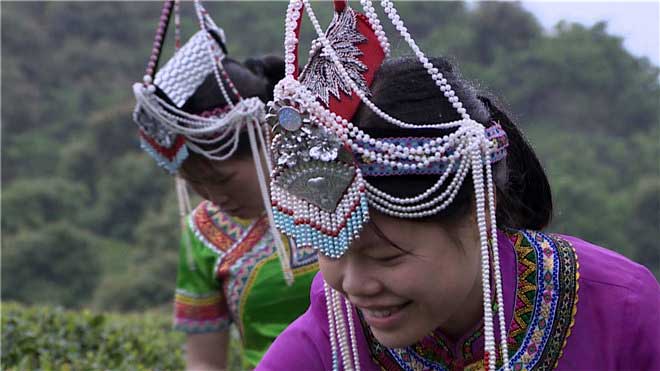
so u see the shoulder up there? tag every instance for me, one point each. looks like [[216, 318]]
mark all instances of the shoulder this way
[[601, 266], [620, 301]]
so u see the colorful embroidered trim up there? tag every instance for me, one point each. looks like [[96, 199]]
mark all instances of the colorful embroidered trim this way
[[245, 244], [200, 313], [496, 133], [216, 112], [567, 306], [372, 168], [216, 230], [525, 290], [168, 158], [243, 270], [207, 232], [549, 320]]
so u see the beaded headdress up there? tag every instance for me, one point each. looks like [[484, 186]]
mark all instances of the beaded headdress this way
[[167, 132], [320, 195]]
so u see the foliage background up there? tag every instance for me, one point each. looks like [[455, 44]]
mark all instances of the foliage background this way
[[90, 222]]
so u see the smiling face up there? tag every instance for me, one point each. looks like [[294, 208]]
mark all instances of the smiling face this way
[[231, 184], [433, 280]]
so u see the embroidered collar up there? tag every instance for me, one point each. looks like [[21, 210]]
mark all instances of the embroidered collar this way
[[544, 310]]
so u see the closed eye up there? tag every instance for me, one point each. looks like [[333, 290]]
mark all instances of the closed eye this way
[[222, 178], [387, 258]]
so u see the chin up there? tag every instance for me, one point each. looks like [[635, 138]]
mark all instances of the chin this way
[[245, 214], [396, 339]]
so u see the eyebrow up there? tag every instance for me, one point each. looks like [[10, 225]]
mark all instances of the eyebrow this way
[[381, 235]]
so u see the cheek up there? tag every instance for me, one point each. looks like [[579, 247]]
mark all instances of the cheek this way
[[450, 282], [332, 271], [201, 190]]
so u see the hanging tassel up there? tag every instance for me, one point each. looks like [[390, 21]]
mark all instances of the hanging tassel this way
[[332, 330], [281, 250], [184, 210]]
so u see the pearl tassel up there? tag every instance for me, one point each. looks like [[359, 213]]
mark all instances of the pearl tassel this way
[[489, 341], [340, 321], [353, 337], [339, 340], [184, 211], [281, 250], [331, 325], [504, 348]]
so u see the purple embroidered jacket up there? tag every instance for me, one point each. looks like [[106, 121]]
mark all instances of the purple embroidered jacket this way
[[569, 305]]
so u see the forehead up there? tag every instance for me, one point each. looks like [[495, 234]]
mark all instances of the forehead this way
[[380, 231], [199, 169]]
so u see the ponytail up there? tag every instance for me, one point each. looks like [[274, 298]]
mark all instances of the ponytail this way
[[524, 198]]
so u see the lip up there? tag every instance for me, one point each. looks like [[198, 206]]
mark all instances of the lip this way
[[384, 317]]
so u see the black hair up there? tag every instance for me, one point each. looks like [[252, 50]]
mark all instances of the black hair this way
[[403, 88], [256, 77]]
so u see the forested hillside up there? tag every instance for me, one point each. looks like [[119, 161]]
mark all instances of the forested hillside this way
[[89, 220]]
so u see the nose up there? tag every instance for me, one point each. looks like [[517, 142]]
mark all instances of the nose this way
[[359, 281]]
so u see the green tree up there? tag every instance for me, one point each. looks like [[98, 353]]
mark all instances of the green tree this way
[[31, 203], [55, 264], [126, 189]]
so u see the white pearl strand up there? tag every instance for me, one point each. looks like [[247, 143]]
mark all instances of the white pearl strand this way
[[214, 153], [351, 329], [290, 39], [413, 211], [217, 62], [263, 186], [327, 48], [263, 141], [429, 152], [504, 348], [340, 322], [183, 202], [489, 338], [398, 24], [370, 12], [331, 326], [230, 124], [436, 75]]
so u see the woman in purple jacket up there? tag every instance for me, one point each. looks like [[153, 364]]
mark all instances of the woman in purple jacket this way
[[421, 268]]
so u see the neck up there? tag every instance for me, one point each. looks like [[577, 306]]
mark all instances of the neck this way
[[469, 317], [471, 312]]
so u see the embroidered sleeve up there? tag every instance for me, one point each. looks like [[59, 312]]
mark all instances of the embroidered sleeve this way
[[199, 305]]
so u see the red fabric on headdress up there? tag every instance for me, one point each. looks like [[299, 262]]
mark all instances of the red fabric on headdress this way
[[169, 153], [339, 5], [373, 56]]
